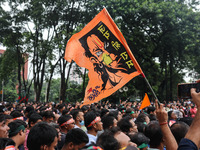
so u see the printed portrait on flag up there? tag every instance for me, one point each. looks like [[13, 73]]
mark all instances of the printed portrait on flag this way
[[101, 48], [108, 56]]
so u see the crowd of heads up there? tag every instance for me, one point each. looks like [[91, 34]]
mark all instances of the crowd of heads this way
[[49, 126]]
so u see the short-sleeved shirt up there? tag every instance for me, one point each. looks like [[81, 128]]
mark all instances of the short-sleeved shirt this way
[[186, 144]]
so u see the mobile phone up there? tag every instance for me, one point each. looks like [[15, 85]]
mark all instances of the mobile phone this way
[[184, 90]]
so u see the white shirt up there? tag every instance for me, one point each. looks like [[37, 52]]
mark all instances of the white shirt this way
[[92, 139]]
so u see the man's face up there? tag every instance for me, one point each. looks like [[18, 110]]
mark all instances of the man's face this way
[[70, 126], [23, 133], [119, 117], [134, 127], [49, 120], [81, 115], [99, 126], [3, 130], [115, 123]]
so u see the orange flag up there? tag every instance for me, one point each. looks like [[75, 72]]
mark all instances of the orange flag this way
[[101, 48], [145, 102], [1, 92]]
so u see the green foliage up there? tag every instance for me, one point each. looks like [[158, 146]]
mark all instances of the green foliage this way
[[164, 36]]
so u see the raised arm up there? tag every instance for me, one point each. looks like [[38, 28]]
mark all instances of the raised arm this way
[[168, 137], [194, 131]]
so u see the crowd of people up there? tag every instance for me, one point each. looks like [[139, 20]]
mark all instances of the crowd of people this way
[[101, 126]]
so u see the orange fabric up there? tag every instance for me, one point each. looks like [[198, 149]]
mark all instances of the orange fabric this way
[[1, 92], [101, 48], [145, 102]]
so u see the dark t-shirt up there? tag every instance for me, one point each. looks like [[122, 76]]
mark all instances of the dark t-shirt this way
[[62, 142], [186, 144]]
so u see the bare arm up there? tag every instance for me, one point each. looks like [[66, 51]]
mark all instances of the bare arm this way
[[168, 137], [194, 130]]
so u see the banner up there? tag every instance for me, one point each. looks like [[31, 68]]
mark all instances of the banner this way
[[101, 48]]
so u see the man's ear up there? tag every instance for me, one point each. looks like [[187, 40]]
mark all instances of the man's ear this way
[[94, 125], [70, 145], [20, 132], [43, 147]]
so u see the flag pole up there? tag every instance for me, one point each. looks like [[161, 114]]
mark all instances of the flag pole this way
[[150, 87]]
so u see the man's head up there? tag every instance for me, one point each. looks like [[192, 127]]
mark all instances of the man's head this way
[[33, 119], [109, 122], [28, 110], [93, 122], [154, 133], [75, 139], [3, 110], [16, 114], [66, 123], [179, 130], [17, 130], [42, 136], [113, 139], [127, 125], [77, 115], [3, 127], [48, 116]]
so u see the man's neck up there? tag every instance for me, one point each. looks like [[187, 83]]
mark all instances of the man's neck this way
[[78, 124], [92, 132]]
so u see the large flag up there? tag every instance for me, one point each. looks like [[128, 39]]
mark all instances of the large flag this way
[[145, 102], [101, 48]]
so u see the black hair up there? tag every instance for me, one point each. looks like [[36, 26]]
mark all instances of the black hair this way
[[124, 124], [114, 114], [141, 127], [169, 114], [84, 108], [141, 118], [28, 109], [2, 117], [6, 142], [61, 106], [48, 114], [34, 118], [2, 109], [107, 141], [154, 133], [41, 134], [152, 117], [55, 125], [103, 112], [65, 111], [16, 113], [76, 136], [187, 120], [62, 119], [107, 121], [150, 109], [139, 138], [8, 117], [179, 130], [14, 125], [74, 113], [88, 118]]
